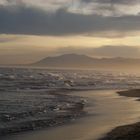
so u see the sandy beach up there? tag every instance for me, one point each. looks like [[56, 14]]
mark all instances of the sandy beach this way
[[127, 132]]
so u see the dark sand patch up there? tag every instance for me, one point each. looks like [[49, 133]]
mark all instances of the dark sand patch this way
[[130, 93], [128, 132]]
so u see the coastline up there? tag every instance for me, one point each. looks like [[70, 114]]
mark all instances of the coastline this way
[[126, 132], [101, 118], [57, 108]]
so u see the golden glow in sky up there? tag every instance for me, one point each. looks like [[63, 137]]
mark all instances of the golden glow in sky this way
[[26, 49]]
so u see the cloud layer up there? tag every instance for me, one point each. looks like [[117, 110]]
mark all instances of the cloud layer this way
[[63, 17], [27, 20], [127, 2]]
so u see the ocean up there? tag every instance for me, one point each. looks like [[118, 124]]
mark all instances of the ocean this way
[[36, 98]]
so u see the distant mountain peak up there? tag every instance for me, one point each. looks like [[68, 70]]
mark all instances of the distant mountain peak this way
[[73, 60], [72, 55]]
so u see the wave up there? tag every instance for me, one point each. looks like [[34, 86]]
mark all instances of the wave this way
[[34, 79]]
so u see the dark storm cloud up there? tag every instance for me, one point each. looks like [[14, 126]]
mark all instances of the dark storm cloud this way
[[29, 20]]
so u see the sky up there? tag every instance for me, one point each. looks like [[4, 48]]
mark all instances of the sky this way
[[33, 29]]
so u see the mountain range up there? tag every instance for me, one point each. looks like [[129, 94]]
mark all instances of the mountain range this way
[[83, 61]]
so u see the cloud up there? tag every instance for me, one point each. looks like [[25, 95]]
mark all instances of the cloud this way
[[104, 51], [117, 51], [126, 2], [113, 7], [102, 7], [48, 5], [4, 38], [31, 20]]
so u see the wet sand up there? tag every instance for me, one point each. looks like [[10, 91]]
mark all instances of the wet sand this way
[[106, 109], [127, 132]]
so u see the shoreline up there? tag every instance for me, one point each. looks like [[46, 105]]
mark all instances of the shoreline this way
[[63, 109], [126, 132], [103, 118], [73, 111]]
